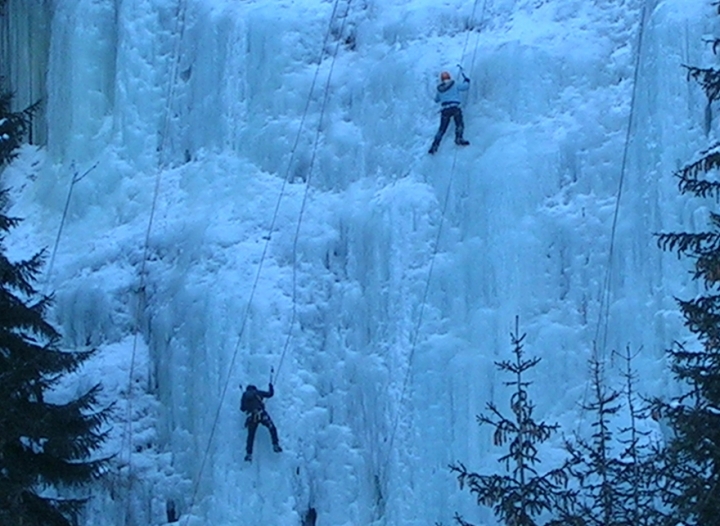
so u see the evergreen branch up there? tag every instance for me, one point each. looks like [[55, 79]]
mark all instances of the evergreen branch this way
[[708, 78], [702, 317], [699, 187], [707, 269], [6, 223], [714, 41], [518, 367], [709, 159], [43, 446], [35, 509], [18, 276], [684, 243], [503, 427], [460, 521], [13, 127]]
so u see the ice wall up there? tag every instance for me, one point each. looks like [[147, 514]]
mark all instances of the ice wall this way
[[200, 115]]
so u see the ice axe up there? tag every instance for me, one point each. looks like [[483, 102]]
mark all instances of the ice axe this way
[[462, 71]]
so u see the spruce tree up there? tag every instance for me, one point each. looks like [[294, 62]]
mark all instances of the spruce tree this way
[[639, 475], [13, 127], [523, 495], [708, 78], [618, 473], [46, 448], [593, 463], [693, 452]]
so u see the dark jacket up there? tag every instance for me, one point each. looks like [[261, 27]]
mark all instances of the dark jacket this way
[[252, 399]]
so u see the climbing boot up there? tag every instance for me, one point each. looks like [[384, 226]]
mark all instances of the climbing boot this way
[[433, 149], [248, 457], [461, 142], [277, 448]]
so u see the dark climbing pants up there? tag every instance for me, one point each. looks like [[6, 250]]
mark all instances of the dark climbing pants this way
[[452, 112], [252, 423]]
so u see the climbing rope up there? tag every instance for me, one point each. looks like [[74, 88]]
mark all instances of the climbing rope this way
[[75, 179], [604, 307], [180, 21], [477, 34], [416, 330], [307, 190], [605, 296], [216, 418]]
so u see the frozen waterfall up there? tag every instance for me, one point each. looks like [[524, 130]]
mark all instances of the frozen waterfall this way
[[214, 126]]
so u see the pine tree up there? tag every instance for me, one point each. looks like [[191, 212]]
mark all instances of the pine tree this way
[[693, 452], [45, 448], [523, 495]]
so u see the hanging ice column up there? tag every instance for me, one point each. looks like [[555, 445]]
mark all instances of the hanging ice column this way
[[24, 48]]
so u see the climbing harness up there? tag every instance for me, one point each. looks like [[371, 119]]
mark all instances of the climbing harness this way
[[231, 366], [446, 200]]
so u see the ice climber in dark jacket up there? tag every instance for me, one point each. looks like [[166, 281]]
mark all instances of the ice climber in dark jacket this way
[[252, 404], [448, 95]]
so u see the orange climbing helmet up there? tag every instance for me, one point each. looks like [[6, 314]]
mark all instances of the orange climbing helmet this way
[[444, 75]]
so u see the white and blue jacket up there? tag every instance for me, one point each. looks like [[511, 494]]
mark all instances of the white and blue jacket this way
[[448, 92]]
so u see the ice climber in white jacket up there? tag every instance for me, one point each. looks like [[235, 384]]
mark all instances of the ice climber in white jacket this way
[[448, 95]]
